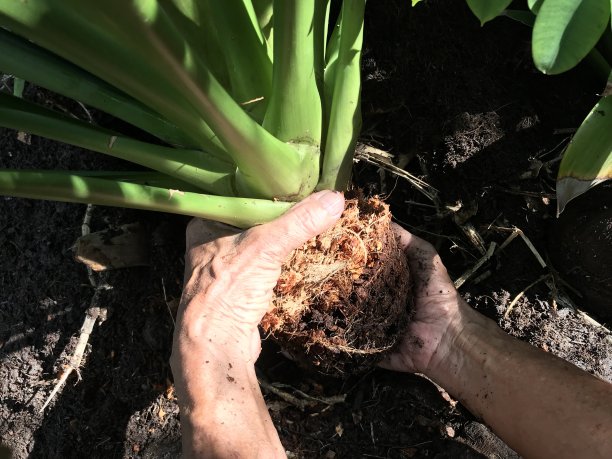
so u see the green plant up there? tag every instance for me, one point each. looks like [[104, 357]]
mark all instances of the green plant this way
[[564, 33], [254, 107]]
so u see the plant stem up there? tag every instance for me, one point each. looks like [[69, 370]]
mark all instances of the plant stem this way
[[84, 33], [34, 64], [149, 178], [254, 150], [320, 26], [202, 170], [137, 47], [59, 186], [345, 113], [294, 111], [245, 51], [265, 17]]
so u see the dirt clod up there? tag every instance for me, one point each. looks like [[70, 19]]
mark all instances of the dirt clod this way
[[342, 300]]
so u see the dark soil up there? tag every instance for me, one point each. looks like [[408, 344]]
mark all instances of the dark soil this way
[[341, 300], [456, 104], [581, 247]]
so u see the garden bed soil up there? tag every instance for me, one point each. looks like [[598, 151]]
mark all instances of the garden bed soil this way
[[456, 104]]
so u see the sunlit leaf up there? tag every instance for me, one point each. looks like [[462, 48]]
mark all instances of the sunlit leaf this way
[[534, 5], [485, 10], [588, 159], [565, 31]]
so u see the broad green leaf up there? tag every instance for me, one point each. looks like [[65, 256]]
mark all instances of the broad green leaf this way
[[485, 10], [565, 31], [588, 159], [534, 5], [414, 2]]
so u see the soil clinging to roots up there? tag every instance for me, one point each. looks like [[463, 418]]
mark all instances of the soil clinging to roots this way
[[343, 299]]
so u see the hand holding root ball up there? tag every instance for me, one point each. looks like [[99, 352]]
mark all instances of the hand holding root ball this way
[[355, 271], [230, 278], [229, 281], [230, 275]]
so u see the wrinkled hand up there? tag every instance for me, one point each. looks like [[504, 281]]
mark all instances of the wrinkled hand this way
[[436, 303], [230, 275]]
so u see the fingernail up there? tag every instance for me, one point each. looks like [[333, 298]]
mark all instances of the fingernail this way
[[332, 201]]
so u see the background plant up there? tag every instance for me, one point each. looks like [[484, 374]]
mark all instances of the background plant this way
[[565, 32], [255, 104]]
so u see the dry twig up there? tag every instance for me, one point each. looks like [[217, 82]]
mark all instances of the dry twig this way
[[95, 313], [381, 159], [520, 295], [519, 232], [470, 272], [302, 403]]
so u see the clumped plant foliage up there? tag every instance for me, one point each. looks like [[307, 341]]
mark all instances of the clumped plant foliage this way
[[254, 103]]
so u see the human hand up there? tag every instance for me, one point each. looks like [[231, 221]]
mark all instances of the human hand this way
[[437, 308], [230, 275], [229, 282]]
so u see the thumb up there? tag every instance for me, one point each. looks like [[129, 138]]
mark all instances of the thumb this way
[[305, 220]]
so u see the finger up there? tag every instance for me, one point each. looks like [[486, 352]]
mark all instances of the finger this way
[[426, 268], [200, 231], [310, 217]]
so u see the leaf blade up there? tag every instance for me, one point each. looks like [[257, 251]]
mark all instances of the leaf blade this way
[[565, 31], [485, 10], [588, 159]]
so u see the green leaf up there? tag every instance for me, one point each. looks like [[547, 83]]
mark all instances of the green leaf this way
[[294, 111], [414, 2], [70, 187], [345, 104], [485, 10], [565, 31], [534, 5], [588, 158], [195, 167], [24, 59]]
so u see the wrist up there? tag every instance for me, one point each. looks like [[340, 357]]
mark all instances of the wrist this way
[[468, 330], [203, 328]]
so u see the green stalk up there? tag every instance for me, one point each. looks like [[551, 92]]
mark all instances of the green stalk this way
[[26, 60], [102, 48], [265, 17], [149, 178], [320, 26], [204, 171], [329, 76], [191, 18], [59, 186], [345, 113], [255, 151], [139, 50], [250, 68], [294, 111]]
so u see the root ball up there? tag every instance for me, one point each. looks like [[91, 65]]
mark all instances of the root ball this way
[[343, 298]]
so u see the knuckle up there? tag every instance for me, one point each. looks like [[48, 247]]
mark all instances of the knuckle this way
[[308, 219], [258, 243]]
